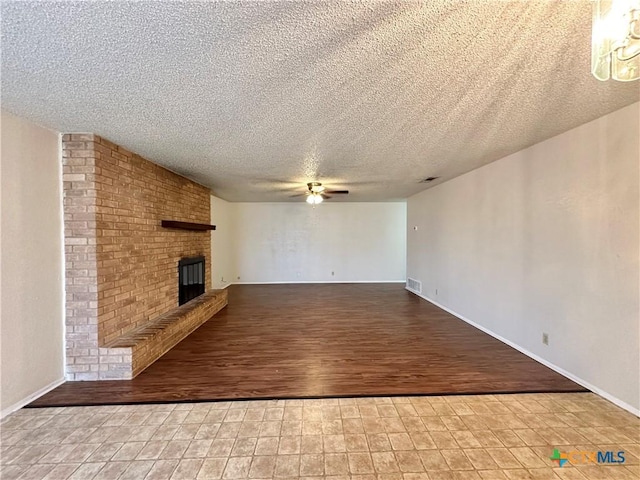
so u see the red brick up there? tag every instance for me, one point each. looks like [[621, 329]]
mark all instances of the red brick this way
[[114, 202]]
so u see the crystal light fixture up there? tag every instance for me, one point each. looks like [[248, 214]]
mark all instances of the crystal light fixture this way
[[615, 49]]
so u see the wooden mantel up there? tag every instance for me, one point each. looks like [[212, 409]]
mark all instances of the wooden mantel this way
[[187, 225]]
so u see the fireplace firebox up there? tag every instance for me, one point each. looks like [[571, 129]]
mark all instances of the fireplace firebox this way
[[191, 275]]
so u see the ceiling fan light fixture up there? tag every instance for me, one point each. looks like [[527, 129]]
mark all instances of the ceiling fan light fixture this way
[[314, 198], [315, 187]]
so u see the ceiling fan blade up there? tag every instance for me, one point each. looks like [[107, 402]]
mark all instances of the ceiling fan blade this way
[[298, 195], [336, 192], [325, 196]]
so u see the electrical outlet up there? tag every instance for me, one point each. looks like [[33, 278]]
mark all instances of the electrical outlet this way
[[222, 279], [238, 278], [545, 338], [436, 291], [333, 273]]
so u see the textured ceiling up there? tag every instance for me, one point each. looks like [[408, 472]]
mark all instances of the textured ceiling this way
[[254, 99]]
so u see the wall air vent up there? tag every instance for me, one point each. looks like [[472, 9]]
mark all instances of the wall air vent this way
[[414, 285], [429, 179]]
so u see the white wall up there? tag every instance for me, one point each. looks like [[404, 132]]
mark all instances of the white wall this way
[[222, 245], [31, 308], [545, 240], [295, 242]]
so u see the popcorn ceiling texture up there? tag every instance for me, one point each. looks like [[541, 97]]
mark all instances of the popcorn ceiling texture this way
[[255, 98], [121, 265]]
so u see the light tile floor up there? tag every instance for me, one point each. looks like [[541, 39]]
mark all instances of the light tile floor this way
[[457, 437]]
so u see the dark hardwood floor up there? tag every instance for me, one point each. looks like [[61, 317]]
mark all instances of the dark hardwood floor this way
[[292, 341]]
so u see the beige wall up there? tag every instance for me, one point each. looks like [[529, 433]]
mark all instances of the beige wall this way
[[222, 243], [31, 257], [545, 240], [333, 242]]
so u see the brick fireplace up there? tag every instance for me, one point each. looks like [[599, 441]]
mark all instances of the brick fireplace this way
[[121, 264], [191, 274]]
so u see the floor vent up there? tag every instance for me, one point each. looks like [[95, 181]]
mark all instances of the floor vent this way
[[414, 285]]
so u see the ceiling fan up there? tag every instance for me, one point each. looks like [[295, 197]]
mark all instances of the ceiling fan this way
[[317, 193]]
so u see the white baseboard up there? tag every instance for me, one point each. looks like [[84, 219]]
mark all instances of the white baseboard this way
[[31, 398], [622, 404], [318, 281]]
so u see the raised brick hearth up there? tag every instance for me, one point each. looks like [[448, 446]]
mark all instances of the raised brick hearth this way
[[121, 264], [136, 350]]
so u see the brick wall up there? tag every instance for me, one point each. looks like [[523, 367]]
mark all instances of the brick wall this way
[[81, 278], [121, 264]]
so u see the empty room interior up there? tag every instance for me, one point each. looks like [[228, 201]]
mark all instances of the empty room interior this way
[[369, 240]]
